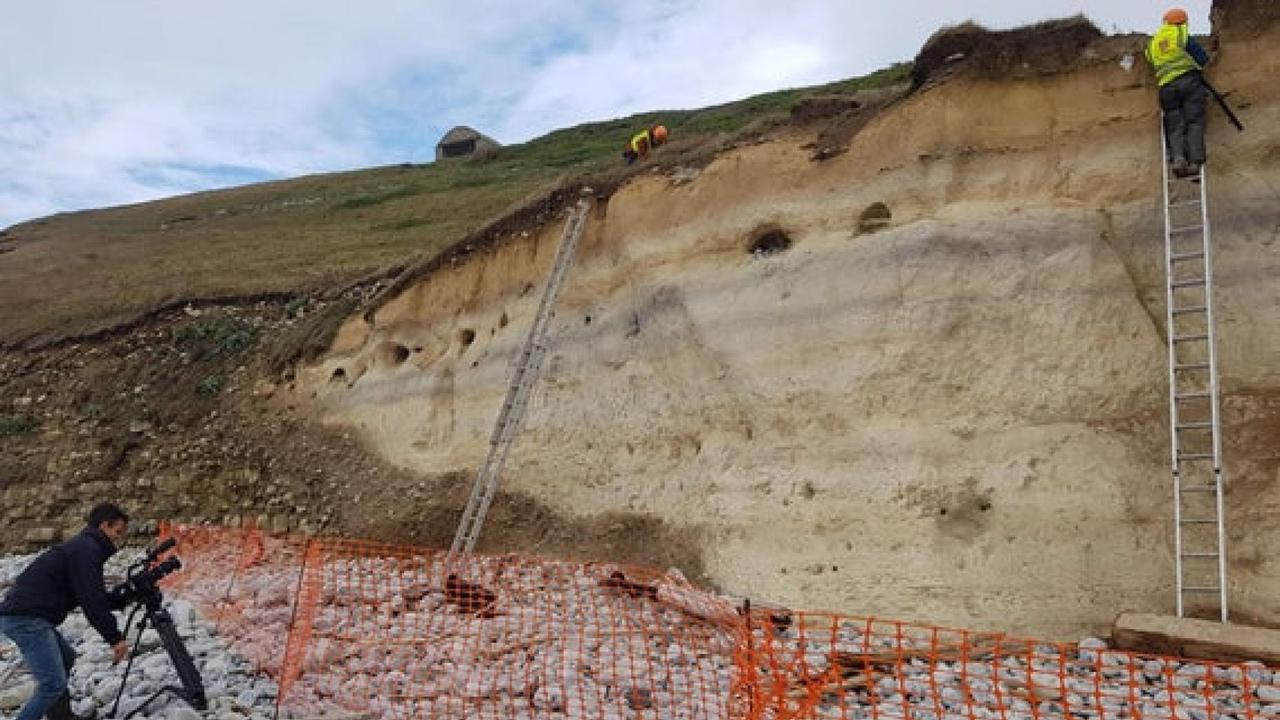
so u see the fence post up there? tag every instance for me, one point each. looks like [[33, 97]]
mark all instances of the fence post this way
[[306, 602]]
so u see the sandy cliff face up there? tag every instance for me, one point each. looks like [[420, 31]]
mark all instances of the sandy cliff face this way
[[960, 418]]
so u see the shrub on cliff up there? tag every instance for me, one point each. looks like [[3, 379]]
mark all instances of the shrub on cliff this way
[[16, 424]]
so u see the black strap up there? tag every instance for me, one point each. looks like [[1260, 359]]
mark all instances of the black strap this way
[[1222, 102]]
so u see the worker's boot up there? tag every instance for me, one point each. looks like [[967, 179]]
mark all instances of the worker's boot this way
[[1181, 168], [61, 710]]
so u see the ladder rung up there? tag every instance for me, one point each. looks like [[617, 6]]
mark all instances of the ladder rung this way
[[1200, 521], [1186, 179], [1206, 425], [1185, 203], [1187, 256], [1192, 366], [1192, 396], [1190, 338], [1189, 282], [1189, 309], [1200, 589], [1195, 456], [1200, 555], [1186, 228], [1198, 489]]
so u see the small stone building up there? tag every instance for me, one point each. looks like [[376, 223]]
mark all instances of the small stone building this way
[[463, 141]]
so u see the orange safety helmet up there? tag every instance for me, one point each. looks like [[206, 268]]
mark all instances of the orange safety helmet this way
[[1176, 16], [660, 133]]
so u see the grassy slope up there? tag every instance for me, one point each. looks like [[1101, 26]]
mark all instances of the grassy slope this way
[[80, 272]]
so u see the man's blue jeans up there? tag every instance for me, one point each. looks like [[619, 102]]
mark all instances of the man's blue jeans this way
[[48, 657]]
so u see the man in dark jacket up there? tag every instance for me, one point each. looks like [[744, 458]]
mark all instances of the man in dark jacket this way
[[64, 577]]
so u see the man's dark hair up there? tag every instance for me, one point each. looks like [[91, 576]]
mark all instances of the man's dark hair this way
[[106, 512]]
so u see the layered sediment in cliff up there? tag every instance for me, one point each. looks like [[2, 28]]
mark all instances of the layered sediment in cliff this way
[[956, 414]]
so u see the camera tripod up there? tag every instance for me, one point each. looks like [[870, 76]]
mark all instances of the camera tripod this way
[[192, 689], [140, 587]]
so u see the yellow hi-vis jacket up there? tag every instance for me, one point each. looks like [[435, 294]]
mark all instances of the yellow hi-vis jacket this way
[[641, 142], [1167, 53]]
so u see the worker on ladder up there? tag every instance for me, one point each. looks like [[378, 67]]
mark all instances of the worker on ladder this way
[[643, 141], [1178, 60]]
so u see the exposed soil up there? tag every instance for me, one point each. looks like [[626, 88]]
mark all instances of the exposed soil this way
[[1050, 47], [178, 418], [839, 119], [1243, 19]]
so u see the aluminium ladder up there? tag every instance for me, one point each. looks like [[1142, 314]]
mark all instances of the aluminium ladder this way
[[527, 367], [1195, 425]]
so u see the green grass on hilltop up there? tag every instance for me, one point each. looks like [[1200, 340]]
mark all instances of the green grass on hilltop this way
[[80, 272]]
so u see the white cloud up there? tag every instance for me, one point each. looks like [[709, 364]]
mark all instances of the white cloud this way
[[111, 102], [713, 51]]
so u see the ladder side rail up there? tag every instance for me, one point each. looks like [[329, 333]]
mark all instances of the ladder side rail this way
[[533, 356], [1214, 396], [541, 321], [526, 374], [468, 515], [521, 384], [529, 360], [559, 264], [1173, 375], [564, 252], [473, 536]]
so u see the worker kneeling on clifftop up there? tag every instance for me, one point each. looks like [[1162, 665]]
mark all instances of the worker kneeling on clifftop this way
[[643, 141], [1178, 60]]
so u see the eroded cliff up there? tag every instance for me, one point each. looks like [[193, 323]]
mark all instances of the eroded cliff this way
[[960, 417]]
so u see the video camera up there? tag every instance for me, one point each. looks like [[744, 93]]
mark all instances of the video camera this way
[[141, 586], [142, 577]]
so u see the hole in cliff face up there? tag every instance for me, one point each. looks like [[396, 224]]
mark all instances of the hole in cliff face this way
[[769, 242], [586, 320], [875, 217], [338, 376], [466, 336], [502, 321], [391, 354]]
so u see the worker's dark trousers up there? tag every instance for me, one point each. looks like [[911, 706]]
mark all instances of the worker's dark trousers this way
[[1183, 104]]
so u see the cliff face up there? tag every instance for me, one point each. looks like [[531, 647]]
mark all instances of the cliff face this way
[[959, 418]]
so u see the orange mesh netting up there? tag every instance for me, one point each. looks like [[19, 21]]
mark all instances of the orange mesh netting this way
[[356, 629]]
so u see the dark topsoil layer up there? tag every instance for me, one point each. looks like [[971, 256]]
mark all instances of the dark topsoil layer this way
[[1243, 19], [1050, 47]]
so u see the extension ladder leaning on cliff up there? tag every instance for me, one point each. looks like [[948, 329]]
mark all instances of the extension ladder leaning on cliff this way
[[528, 365], [1195, 424]]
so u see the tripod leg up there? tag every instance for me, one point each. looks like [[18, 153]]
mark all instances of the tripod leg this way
[[133, 655], [192, 683], [144, 705]]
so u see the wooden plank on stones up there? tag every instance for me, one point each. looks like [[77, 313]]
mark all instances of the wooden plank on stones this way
[[1199, 639]]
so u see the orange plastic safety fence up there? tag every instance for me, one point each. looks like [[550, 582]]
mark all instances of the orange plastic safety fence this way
[[812, 665], [391, 632], [357, 629], [244, 581]]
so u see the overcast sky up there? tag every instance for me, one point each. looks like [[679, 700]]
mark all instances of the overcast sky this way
[[103, 103]]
